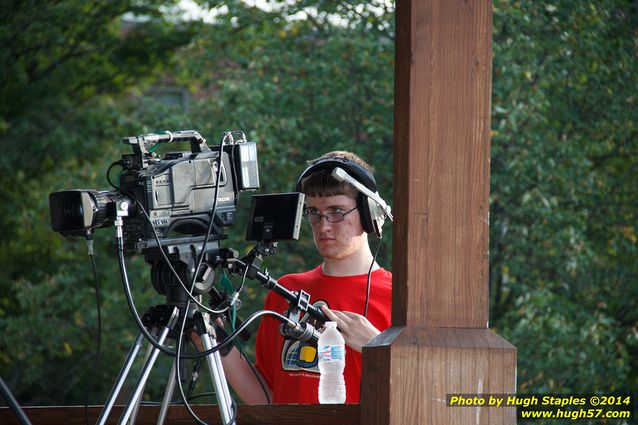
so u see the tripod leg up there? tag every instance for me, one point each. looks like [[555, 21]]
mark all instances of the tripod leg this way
[[13, 404], [146, 370], [121, 378], [168, 394], [138, 401], [219, 379]]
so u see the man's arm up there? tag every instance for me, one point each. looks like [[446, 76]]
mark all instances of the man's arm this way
[[245, 379]]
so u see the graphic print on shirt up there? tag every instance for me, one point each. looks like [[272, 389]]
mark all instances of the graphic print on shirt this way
[[299, 356]]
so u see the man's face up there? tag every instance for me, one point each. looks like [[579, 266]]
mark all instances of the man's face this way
[[336, 241]]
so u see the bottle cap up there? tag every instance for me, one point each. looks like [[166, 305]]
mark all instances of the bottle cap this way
[[330, 325]]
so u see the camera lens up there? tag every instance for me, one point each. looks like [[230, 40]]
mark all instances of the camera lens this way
[[74, 211]]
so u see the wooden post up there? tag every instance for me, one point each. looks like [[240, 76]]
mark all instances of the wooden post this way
[[440, 343]]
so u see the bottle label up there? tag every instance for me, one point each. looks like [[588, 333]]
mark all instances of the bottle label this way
[[331, 353]]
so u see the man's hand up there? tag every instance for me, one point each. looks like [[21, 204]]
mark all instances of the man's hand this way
[[210, 328], [355, 328], [197, 340]]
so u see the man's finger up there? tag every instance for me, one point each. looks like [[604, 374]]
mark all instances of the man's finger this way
[[331, 315], [344, 318]]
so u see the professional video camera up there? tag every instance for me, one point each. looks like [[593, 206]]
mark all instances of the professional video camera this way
[[164, 195], [174, 210]]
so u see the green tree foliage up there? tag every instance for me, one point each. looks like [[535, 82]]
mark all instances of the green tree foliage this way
[[563, 230]]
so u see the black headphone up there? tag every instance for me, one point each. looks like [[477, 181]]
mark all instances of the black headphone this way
[[372, 215]]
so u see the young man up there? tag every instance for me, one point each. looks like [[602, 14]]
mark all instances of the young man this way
[[341, 219]]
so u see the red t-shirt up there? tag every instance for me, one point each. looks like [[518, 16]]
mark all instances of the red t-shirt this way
[[290, 367]]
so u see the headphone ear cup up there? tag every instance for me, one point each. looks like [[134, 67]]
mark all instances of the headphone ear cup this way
[[364, 204], [372, 216], [378, 217]]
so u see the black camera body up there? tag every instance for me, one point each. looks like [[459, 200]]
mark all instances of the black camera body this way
[[176, 192]]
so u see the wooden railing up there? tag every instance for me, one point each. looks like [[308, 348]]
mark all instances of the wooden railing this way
[[246, 415]]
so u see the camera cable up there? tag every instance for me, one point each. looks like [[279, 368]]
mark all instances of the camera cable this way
[[257, 375], [192, 286], [213, 209], [90, 382], [108, 175], [374, 259], [159, 244], [178, 379], [131, 304]]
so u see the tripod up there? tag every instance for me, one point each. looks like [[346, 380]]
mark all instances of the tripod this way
[[161, 321]]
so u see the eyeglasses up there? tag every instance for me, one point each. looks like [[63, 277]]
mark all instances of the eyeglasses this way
[[332, 217]]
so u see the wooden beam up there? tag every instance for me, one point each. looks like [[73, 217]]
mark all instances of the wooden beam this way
[[441, 162], [440, 343]]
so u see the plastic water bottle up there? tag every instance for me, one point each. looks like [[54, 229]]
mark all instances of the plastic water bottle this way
[[332, 361]]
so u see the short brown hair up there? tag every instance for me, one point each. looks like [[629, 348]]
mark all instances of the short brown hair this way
[[321, 183]]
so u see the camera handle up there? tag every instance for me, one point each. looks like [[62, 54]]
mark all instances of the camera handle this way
[[145, 143], [249, 265]]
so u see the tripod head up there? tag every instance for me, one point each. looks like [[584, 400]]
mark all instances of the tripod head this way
[[175, 274]]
